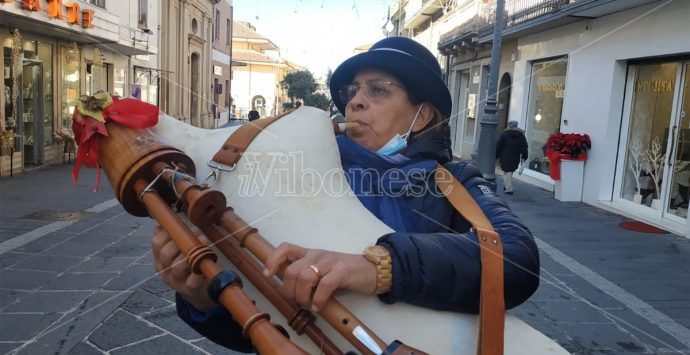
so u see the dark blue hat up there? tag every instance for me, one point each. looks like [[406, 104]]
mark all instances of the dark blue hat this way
[[403, 58]]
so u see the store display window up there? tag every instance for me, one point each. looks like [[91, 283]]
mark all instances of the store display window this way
[[71, 59], [547, 90]]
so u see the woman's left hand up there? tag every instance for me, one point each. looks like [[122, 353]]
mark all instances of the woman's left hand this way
[[312, 275]]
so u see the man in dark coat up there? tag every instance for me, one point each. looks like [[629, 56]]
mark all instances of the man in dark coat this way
[[511, 150]]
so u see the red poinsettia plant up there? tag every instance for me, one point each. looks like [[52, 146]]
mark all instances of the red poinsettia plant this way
[[571, 144]]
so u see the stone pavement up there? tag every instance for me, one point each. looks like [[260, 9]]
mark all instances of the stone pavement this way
[[76, 276]]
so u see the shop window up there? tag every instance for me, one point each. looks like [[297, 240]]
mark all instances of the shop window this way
[[45, 54], [119, 82], [71, 57], [146, 83], [12, 97], [96, 78], [650, 122], [547, 90]]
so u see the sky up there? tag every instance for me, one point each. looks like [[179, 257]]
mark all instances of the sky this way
[[317, 34]]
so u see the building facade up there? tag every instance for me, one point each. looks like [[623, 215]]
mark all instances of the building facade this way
[[54, 52], [256, 79], [186, 39], [438, 25], [615, 70], [222, 61]]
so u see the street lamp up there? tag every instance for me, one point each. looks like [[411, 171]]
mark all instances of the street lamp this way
[[388, 26], [486, 152]]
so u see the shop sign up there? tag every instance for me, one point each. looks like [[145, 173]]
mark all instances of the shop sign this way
[[55, 11], [654, 86], [217, 70]]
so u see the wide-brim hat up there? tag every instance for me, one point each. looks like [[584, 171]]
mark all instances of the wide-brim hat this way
[[407, 60]]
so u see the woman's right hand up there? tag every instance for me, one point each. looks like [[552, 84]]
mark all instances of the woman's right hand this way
[[172, 268]]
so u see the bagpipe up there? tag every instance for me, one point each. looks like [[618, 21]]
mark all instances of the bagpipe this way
[[250, 187]]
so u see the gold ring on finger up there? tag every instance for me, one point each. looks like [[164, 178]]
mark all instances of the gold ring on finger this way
[[315, 269]]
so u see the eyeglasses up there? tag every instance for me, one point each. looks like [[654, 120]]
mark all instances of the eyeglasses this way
[[374, 89]]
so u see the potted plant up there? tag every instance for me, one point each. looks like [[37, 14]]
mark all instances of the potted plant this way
[[571, 146], [565, 146]]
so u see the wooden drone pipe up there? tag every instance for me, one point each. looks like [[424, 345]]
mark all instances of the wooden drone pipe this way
[[333, 312], [265, 337], [204, 207], [299, 319]]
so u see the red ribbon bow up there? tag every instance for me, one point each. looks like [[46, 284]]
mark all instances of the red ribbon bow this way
[[88, 130]]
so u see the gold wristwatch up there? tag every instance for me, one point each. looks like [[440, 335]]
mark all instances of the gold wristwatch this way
[[384, 269]]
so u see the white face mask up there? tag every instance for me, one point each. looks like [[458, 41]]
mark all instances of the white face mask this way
[[398, 142]]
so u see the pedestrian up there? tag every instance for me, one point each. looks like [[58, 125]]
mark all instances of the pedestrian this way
[[253, 115], [511, 152], [396, 94]]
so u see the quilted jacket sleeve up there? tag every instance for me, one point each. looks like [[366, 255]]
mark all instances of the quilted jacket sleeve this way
[[216, 324], [443, 271]]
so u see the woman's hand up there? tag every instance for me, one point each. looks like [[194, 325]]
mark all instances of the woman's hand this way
[[311, 289], [172, 268]]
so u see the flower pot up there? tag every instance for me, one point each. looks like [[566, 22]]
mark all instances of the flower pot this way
[[581, 156], [569, 187], [637, 198]]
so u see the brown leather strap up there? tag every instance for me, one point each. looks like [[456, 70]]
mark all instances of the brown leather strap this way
[[233, 148], [492, 303]]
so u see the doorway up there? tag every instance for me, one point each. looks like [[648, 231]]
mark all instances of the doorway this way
[[462, 111], [194, 92], [654, 172], [503, 112], [32, 112]]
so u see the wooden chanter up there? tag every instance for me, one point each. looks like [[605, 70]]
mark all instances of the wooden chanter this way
[[149, 177]]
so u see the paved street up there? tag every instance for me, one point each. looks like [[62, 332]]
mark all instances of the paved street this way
[[76, 276]]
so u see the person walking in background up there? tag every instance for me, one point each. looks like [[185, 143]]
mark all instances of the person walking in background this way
[[511, 150], [253, 115]]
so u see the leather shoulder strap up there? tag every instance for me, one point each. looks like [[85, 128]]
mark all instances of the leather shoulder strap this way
[[231, 151], [492, 303]]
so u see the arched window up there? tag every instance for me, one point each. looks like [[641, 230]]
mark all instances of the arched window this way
[[259, 104]]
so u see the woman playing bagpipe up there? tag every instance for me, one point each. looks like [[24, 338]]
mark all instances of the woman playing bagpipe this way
[[397, 105]]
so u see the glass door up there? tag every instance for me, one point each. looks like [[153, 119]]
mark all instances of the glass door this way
[[32, 112], [655, 153], [679, 164]]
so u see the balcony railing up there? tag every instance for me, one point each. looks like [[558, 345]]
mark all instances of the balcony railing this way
[[519, 11]]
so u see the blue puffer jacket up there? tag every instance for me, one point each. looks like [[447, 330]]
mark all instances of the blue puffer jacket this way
[[436, 262]]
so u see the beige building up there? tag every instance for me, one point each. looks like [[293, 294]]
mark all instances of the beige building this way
[[256, 83], [186, 41], [222, 61], [53, 53]]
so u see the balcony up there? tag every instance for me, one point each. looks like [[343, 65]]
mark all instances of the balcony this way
[[524, 17], [421, 12]]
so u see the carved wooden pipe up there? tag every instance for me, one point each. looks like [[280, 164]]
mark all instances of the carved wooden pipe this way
[[265, 337], [207, 207], [203, 207]]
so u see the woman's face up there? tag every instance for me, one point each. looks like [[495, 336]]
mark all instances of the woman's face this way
[[379, 103]]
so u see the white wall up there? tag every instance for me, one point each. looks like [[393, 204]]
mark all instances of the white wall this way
[[245, 86], [598, 51]]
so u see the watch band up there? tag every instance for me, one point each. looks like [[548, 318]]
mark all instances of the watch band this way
[[381, 258]]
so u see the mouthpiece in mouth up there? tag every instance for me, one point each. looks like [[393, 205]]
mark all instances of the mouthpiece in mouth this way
[[342, 127]]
